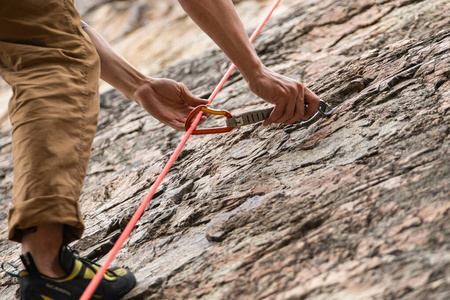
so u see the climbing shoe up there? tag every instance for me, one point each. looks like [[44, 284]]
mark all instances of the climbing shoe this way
[[35, 286]]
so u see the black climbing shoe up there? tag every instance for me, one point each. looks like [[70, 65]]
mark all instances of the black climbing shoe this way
[[35, 286]]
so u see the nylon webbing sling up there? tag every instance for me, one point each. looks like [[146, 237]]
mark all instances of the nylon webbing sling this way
[[255, 116], [140, 210]]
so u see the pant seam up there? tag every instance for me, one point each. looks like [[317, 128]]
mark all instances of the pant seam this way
[[85, 103]]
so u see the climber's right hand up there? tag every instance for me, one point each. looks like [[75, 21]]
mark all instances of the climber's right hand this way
[[288, 95]]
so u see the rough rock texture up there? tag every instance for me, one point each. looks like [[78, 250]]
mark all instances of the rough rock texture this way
[[353, 207], [151, 34]]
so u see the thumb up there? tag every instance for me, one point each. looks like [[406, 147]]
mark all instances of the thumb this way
[[190, 99]]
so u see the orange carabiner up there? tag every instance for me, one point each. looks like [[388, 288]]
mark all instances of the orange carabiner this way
[[208, 110]]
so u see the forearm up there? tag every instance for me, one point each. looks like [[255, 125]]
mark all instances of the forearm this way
[[114, 68], [218, 19]]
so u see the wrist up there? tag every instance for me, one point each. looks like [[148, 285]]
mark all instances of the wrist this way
[[142, 87], [251, 70], [133, 81]]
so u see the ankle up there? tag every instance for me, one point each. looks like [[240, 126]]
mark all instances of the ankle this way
[[44, 245], [50, 269]]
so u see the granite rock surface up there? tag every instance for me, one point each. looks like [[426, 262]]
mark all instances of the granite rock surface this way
[[352, 207]]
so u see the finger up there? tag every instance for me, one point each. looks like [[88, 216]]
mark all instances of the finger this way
[[275, 115], [288, 112], [313, 103], [190, 99], [299, 110], [187, 110], [180, 125], [203, 119], [177, 125], [299, 105], [195, 101]]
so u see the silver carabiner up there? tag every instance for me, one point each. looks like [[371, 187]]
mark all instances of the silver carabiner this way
[[323, 110]]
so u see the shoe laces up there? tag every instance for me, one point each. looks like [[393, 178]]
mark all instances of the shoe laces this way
[[89, 263], [5, 265]]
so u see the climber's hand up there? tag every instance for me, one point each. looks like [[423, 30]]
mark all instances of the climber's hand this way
[[287, 94], [168, 101]]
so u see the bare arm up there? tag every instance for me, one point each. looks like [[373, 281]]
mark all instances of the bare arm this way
[[218, 18], [114, 68], [168, 101]]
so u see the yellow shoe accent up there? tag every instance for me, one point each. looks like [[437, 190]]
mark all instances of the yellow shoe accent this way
[[89, 274], [75, 271], [23, 273], [46, 298], [120, 272]]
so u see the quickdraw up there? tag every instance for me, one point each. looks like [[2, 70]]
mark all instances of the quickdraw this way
[[323, 110], [87, 294]]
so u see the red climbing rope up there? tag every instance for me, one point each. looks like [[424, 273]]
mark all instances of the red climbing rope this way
[[140, 210]]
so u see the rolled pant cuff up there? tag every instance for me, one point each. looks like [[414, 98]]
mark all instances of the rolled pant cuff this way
[[47, 210]]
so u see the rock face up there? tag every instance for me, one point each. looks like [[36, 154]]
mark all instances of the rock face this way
[[151, 34], [353, 207]]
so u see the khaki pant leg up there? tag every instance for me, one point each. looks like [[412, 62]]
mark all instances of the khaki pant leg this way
[[54, 116]]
